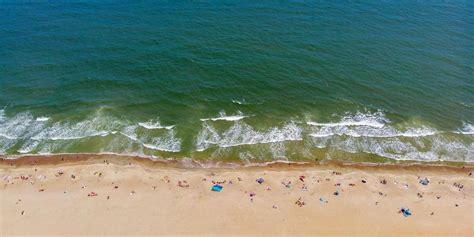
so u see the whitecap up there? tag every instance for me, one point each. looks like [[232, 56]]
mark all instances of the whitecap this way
[[238, 102], [21, 125], [222, 116], [8, 136], [97, 126], [468, 129], [16, 126], [241, 102], [42, 119], [418, 132], [94, 134], [243, 134], [360, 123], [28, 147], [225, 118], [321, 134], [169, 142], [159, 147], [386, 132], [376, 120], [155, 125]]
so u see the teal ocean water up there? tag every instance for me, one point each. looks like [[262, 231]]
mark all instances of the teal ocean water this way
[[246, 80]]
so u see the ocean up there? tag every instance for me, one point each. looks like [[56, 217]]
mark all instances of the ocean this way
[[239, 80]]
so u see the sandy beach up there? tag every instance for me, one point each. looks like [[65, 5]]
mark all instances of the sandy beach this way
[[110, 195]]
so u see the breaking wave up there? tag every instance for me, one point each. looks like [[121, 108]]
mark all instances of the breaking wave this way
[[224, 117], [468, 129], [155, 125], [97, 126], [243, 134], [40, 135], [375, 120], [168, 142], [360, 131], [42, 119], [374, 134], [356, 133]]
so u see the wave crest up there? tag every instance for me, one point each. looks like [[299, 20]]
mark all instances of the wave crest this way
[[152, 124], [370, 133], [243, 134], [224, 117]]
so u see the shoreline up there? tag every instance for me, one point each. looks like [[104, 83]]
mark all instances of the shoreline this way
[[188, 163]]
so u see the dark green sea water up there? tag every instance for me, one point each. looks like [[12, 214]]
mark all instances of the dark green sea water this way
[[250, 80]]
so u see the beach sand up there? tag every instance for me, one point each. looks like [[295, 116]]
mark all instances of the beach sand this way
[[136, 196]]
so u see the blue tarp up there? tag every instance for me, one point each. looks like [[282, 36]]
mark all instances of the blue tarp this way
[[216, 188]]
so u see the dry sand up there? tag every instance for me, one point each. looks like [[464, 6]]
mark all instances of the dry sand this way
[[137, 197]]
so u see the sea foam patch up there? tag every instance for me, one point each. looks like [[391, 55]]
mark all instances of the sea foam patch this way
[[155, 124], [376, 120], [382, 132], [98, 126], [467, 129], [20, 126], [167, 142], [374, 134], [366, 125], [241, 133], [370, 133]]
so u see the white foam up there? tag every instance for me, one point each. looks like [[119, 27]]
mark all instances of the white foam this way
[[160, 147], [468, 129], [28, 147], [6, 144], [418, 132], [20, 126], [356, 133], [104, 126], [366, 125], [8, 136], [42, 119], [168, 143], [2, 115], [15, 127], [155, 125], [386, 132], [424, 148], [240, 102], [376, 120], [321, 135], [410, 143], [61, 137], [23, 151], [224, 117], [246, 156], [98, 126], [361, 123], [243, 134], [131, 137]]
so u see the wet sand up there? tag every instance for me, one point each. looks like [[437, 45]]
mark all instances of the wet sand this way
[[111, 195]]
